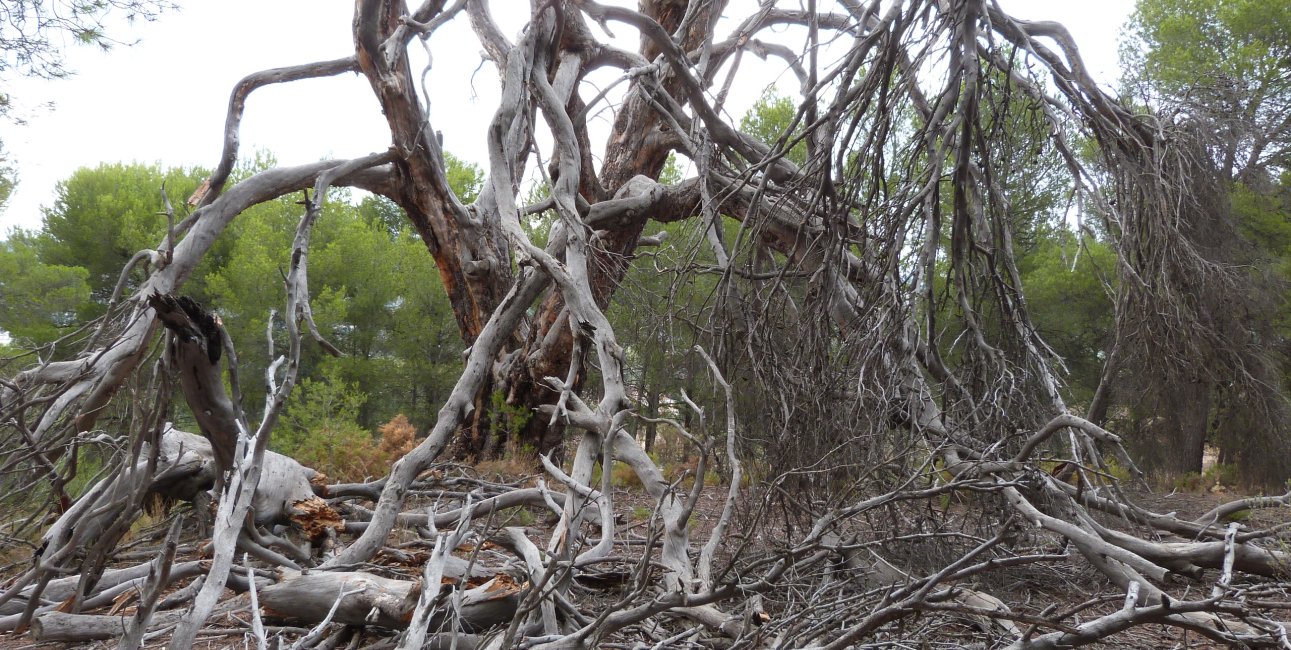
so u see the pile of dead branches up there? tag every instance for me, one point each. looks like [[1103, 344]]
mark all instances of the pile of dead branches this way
[[926, 509]]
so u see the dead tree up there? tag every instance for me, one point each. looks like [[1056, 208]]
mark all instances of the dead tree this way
[[826, 314]]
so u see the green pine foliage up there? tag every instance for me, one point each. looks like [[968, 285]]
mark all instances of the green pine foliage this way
[[375, 294]]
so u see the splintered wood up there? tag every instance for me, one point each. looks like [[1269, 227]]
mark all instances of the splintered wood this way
[[315, 518]]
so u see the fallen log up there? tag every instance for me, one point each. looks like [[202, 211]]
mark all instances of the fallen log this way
[[186, 469], [358, 516], [57, 626], [284, 495], [367, 599], [63, 588], [103, 594], [79, 628]]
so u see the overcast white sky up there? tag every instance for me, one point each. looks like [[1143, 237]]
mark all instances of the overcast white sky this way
[[163, 99]]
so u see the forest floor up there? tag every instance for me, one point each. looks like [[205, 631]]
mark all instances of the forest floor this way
[[227, 629]]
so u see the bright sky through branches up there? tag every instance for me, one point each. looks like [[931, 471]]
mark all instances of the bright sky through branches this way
[[163, 100]]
